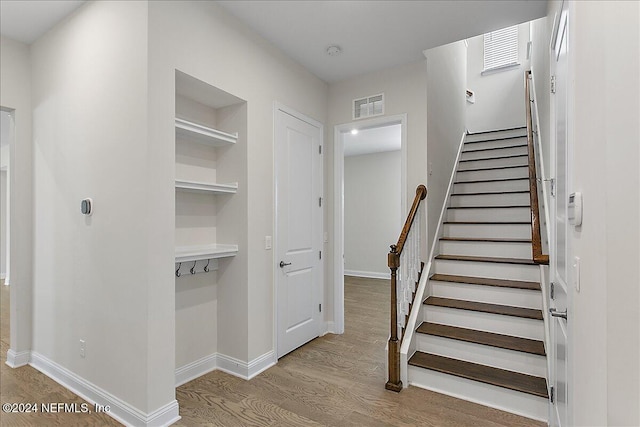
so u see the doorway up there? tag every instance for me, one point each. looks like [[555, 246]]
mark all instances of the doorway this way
[[343, 136]]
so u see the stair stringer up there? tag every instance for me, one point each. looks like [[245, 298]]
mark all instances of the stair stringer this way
[[408, 345]]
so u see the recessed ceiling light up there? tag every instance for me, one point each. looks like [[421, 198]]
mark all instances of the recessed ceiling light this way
[[334, 50], [354, 131]]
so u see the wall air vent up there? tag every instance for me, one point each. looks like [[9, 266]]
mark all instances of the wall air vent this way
[[369, 106]]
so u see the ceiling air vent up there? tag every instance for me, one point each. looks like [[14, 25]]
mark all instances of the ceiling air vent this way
[[369, 106]]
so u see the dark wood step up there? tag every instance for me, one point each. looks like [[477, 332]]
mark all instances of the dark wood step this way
[[508, 342], [491, 180], [488, 222], [516, 284], [496, 130], [501, 260], [495, 148], [517, 381], [483, 307], [490, 193], [495, 158], [489, 207], [494, 168], [485, 239]]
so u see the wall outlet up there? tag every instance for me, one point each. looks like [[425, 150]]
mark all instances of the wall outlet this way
[[82, 348]]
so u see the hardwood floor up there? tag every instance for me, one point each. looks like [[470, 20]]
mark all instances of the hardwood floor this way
[[335, 380]]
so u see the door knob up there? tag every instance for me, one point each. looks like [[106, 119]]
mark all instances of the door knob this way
[[283, 264], [556, 313]]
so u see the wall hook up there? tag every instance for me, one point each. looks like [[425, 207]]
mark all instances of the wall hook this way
[[193, 269], [178, 270], [206, 267]]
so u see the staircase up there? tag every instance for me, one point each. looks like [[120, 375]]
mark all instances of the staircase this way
[[481, 331]]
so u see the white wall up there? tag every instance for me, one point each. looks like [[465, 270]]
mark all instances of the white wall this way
[[3, 224], [94, 275], [604, 46], [540, 38], [447, 74], [15, 94], [499, 95], [204, 41], [372, 219]]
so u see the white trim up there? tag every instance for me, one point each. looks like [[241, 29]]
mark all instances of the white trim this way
[[277, 106], [198, 368], [120, 410], [368, 274], [245, 370], [338, 200], [505, 67], [16, 360], [329, 328]]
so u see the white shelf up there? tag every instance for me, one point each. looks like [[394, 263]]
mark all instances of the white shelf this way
[[204, 134], [201, 187], [200, 252]]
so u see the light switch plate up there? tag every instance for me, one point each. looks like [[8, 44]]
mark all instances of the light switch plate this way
[[267, 242], [576, 273]]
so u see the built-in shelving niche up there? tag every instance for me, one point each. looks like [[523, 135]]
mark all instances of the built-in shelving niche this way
[[210, 210]]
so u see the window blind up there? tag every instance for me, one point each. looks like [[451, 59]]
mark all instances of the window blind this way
[[501, 48]]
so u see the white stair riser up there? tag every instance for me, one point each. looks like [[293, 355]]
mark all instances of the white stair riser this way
[[489, 294], [484, 394], [520, 172], [514, 231], [492, 249], [494, 270], [490, 214], [478, 187], [496, 135], [479, 153], [494, 163], [493, 141], [496, 323], [499, 199], [517, 361]]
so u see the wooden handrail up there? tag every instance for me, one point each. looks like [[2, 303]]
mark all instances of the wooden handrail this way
[[536, 240], [393, 261]]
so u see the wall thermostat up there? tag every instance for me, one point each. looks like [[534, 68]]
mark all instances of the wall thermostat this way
[[575, 209], [86, 206]]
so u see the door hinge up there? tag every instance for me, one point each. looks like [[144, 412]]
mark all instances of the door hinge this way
[[319, 149], [552, 396], [320, 307], [319, 201], [320, 254], [553, 84], [552, 289]]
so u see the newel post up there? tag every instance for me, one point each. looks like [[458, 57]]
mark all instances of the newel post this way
[[394, 382]]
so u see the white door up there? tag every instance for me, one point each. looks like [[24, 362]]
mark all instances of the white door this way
[[298, 229], [560, 252]]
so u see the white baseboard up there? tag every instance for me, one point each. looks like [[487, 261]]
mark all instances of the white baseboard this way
[[329, 328], [367, 274], [16, 360], [120, 410], [246, 370], [227, 364], [196, 369]]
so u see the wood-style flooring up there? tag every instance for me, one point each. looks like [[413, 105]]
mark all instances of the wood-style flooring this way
[[335, 380]]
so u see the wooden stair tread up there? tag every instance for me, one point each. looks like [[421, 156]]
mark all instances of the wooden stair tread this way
[[490, 207], [512, 156], [488, 222], [492, 180], [495, 148], [486, 281], [496, 130], [485, 239], [517, 381], [508, 342], [491, 193], [483, 307], [493, 168], [486, 259]]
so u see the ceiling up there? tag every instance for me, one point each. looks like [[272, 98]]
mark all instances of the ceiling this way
[[26, 21], [373, 140], [372, 34]]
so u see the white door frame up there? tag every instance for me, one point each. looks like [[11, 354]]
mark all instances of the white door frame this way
[[338, 201], [277, 106]]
